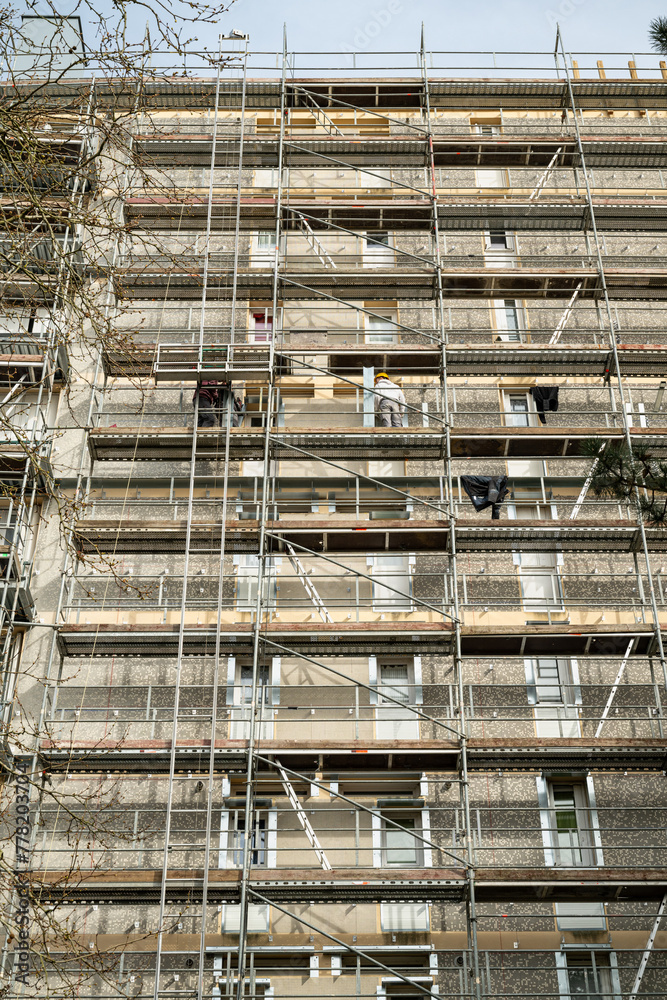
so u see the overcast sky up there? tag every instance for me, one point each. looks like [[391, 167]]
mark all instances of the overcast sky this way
[[368, 26], [611, 25]]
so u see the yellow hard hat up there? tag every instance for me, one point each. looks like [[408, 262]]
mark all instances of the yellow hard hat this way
[[381, 375]]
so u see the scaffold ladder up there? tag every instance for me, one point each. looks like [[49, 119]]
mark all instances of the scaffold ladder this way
[[313, 242], [648, 949], [303, 819], [567, 312], [539, 187], [309, 587], [321, 117]]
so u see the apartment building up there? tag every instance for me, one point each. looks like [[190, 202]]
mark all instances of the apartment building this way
[[300, 720]]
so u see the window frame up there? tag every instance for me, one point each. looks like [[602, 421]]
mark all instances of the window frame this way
[[563, 968], [587, 827], [390, 336], [244, 561], [407, 604], [502, 329], [527, 571], [377, 251], [385, 848]]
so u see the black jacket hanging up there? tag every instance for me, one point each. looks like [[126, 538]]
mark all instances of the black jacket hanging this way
[[546, 398], [486, 491]]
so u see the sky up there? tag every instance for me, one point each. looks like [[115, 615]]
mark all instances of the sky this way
[[524, 25], [356, 29]]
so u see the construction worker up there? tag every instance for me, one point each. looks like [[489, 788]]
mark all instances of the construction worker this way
[[207, 392], [389, 401]]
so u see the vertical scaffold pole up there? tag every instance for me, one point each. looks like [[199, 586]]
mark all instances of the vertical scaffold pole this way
[[612, 339], [186, 564], [267, 490], [458, 659], [221, 559]]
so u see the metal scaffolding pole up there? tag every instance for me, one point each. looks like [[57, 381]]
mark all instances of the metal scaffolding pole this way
[[183, 609], [268, 488], [612, 339], [242, 970], [471, 905], [210, 786], [60, 304]]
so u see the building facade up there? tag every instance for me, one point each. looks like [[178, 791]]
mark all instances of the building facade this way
[[298, 718]]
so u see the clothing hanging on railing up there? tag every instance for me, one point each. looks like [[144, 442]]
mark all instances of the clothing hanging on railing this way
[[486, 491], [546, 398]]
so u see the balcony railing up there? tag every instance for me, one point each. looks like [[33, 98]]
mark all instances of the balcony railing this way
[[196, 363]]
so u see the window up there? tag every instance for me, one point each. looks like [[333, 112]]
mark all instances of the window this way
[[22, 330], [580, 916], [529, 505], [239, 699], [508, 320], [492, 178], [553, 681], [377, 250], [394, 682], [556, 681], [498, 239], [396, 594], [246, 685], [589, 974], [539, 581], [399, 847], [266, 240], [406, 991], [404, 917], [258, 921], [246, 583], [263, 248], [393, 722], [499, 249], [517, 409], [484, 128], [381, 329], [261, 331], [571, 825], [237, 840], [263, 843]]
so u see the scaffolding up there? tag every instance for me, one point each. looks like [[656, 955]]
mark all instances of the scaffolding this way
[[342, 692]]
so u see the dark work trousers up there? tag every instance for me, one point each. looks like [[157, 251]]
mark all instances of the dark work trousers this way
[[546, 398], [205, 412]]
